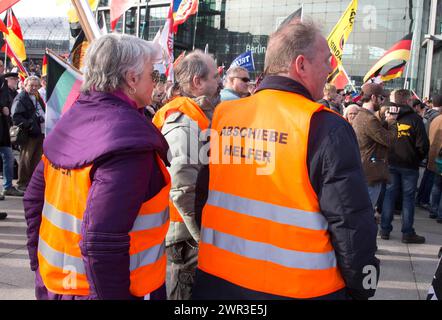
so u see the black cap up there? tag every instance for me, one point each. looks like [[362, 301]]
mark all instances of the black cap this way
[[10, 75]]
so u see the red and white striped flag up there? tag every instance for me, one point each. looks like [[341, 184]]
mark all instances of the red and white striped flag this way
[[117, 9]]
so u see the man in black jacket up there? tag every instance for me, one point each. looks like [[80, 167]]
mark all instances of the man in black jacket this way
[[410, 149], [28, 111], [8, 92]]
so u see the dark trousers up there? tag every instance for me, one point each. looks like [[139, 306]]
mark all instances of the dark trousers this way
[[30, 156], [183, 258], [404, 180], [424, 191]]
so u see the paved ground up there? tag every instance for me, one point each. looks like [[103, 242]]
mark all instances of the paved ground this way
[[406, 270]]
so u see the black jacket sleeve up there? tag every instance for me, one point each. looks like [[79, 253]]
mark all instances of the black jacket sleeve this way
[[337, 177], [422, 142], [20, 113]]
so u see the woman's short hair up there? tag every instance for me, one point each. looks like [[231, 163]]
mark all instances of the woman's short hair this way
[[110, 57]]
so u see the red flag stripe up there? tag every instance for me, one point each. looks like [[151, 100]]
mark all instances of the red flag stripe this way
[[3, 28], [6, 4], [395, 69], [11, 54], [117, 9], [13, 25]]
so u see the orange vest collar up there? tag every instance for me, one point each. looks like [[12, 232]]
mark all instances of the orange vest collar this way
[[184, 105]]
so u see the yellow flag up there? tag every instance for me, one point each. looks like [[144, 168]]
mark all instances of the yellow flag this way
[[340, 33], [72, 13]]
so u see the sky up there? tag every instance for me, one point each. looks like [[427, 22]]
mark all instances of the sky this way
[[40, 8]]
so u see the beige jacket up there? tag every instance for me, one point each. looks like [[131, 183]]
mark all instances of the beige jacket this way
[[183, 137], [435, 135]]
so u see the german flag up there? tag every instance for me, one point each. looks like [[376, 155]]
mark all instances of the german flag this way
[[400, 51], [6, 47], [15, 36], [44, 67], [394, 72]]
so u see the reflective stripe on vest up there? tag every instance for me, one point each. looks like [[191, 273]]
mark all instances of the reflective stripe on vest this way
[[265, 232], [61, 265], [191, 109], [269, 253], [60, 260], [263, 210]]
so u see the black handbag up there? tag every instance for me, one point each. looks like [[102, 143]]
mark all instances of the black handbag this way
[[18, 134]]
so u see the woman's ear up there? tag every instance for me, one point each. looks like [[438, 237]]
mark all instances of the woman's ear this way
[[131, 79]]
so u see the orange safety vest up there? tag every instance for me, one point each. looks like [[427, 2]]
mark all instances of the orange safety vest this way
[[191, 109], [264, 230], [60, 260]]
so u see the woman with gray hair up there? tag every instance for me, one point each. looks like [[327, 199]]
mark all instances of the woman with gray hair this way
[[97, 205], [351, 112]]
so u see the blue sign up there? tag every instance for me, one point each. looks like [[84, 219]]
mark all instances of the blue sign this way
[[244, 60]]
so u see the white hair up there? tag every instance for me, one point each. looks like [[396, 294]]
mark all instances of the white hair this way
[[109, 59], [31, 78], [349, 108]]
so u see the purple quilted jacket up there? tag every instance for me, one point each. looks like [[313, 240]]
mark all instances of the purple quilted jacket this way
[[108, 131]]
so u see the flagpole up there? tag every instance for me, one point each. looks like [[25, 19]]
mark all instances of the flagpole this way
[[6, 46], [302, 12], [348, 78], [194, 31], [406, 84], [87, 21]]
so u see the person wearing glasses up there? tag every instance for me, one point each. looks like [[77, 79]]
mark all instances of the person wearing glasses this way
[[97, 205], [236, 84]]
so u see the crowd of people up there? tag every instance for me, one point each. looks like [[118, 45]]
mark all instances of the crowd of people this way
[[127, 184], [397, 136]]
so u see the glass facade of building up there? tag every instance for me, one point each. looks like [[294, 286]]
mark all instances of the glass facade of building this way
[[42, 33], [231, 27]]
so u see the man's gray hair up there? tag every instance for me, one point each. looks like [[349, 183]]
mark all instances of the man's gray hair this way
[[109, 59], [31, 78], [193, 65], [289, 42]]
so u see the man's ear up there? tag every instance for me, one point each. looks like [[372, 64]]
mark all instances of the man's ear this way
[[196, 82], [298, 65]]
